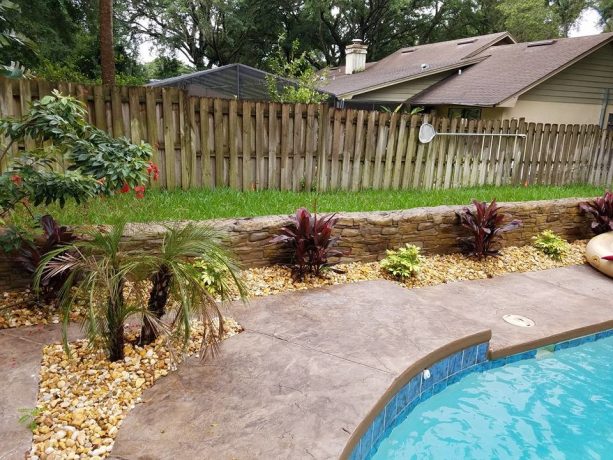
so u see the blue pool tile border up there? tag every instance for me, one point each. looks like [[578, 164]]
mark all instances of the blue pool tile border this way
[[443, 373], [418, 389]]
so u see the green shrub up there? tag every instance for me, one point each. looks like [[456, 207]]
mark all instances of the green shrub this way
[[213, 276], [404, 262], [551, 244]]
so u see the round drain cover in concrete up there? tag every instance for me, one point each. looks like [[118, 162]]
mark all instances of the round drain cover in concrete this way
[[518, 320]]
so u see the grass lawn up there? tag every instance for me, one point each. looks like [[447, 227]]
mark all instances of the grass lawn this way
[[207, 204]]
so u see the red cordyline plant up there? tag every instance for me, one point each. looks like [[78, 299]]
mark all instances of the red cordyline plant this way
[[31, 253], [486, 224], [310, 238], [601, 210]]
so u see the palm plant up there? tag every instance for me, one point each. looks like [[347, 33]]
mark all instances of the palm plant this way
[[97, 270], [174, 279]]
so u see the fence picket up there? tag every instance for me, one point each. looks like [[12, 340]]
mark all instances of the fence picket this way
[[348, 147], [401, 147], [380, 151], [369, 153], [390, 149], [410, 152], [310, 147], [358, 152]]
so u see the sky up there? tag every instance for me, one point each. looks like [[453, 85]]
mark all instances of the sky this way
[[587, 25]]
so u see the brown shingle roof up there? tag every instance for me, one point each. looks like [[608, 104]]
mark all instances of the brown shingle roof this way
[[404, 64], [509, 70]]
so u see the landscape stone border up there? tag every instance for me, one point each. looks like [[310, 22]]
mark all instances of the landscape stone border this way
[[365, 236]]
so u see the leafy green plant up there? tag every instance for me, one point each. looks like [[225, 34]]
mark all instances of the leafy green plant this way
[[551, 244], [213, 276], [174, 278], [95, 163], [485, 224], [114, 284], [311, 242], [96, 269], [403, 263], [27, 417], [601, 210], [296, 67]]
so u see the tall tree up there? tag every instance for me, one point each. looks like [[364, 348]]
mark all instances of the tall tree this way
[[529, 20], [107, 53], [568, 12], [605, 10]]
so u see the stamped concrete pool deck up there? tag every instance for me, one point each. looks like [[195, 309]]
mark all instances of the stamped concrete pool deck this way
[[311, 365]]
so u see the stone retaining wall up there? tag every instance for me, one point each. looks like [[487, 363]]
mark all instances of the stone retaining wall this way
[[368, 234]]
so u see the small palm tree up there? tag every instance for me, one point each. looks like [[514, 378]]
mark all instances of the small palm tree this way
[[97, 271], [175, 280]]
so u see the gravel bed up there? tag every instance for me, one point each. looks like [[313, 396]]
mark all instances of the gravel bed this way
[[82, 399], [435, 269]]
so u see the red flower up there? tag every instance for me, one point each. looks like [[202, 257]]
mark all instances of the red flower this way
[[125, 188], [139, 191], [17, 180], [153, 169]]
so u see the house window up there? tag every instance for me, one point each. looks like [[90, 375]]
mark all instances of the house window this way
[[471, 113]]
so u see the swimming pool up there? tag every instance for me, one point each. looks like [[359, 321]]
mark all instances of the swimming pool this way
[[555, 405]]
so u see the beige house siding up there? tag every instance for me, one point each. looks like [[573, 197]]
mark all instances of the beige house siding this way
[[402, 91], [575, 95], [549, 112], [541, 112], [581, 83]]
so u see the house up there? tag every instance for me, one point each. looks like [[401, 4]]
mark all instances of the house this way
[[566, 80], [228, 82]]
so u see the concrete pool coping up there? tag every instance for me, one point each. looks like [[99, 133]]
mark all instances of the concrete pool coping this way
[[311, 367]]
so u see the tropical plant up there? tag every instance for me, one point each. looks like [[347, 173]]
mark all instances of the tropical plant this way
[[31, 253], [213, 277], [174, 278], [403, 263], [551, 244], [96, 270], [96, 164], [601, 210], [114, 283], [311, 242], [485, 224]]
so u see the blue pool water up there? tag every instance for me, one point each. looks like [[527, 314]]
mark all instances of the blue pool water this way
[[558, 406]]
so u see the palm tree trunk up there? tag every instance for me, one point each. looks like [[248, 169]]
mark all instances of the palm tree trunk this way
[[107, 53], [116, 323], [158, 298]]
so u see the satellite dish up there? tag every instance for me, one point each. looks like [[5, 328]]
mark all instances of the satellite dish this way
[[426, 133]]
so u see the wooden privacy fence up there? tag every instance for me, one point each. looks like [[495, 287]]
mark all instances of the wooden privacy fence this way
[[246, 145]]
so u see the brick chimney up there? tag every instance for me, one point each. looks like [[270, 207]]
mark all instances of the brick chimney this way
[[355, 57]]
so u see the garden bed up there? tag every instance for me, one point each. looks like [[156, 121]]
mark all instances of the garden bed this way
[[262, 281], [83, 398], [435, 269]]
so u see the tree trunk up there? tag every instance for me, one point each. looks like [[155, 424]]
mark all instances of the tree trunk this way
[[158, 298], [107, 52], [116, 323]]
